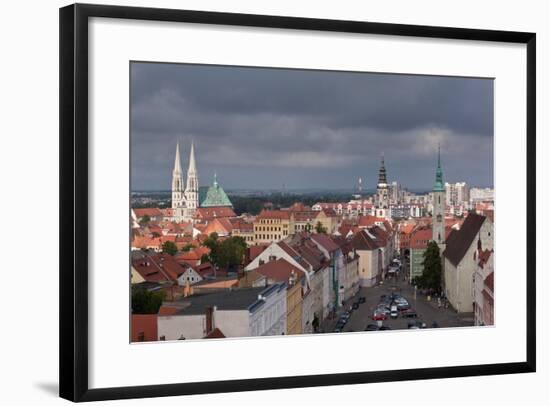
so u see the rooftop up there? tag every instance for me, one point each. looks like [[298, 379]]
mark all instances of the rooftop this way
[[228, 299]]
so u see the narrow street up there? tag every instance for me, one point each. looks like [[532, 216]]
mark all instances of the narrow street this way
[[428, 312]]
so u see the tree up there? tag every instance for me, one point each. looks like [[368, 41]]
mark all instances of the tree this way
[[230, 252], [168, 247], [226, 254], [308, 228], [320, 229], [145, 302], [145, 219], [431, 274], [187, 247]]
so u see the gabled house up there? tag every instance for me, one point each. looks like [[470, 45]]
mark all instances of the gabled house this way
[[369, 249], [461, 260]]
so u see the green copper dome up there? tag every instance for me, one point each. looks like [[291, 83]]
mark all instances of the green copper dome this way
[[439, 186], [213, 196]]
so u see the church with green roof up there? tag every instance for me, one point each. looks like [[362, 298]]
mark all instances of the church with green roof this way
[[213, 196], [188, 197]]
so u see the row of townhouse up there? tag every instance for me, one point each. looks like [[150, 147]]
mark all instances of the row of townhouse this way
[[330, 272], [276, 225]]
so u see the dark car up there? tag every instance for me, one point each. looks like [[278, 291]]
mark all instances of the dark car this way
[[409, 314], [384, 328], [403, 306], [371, 327], [355, 306], [362, 299]]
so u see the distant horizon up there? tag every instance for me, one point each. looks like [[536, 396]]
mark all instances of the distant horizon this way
[[343, 190]]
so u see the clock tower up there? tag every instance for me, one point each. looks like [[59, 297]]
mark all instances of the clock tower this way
[[438, 212]]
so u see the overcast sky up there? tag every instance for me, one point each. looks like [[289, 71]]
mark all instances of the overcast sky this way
[[264, 128]]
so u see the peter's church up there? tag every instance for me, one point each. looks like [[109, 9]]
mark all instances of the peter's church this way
[[188, 197]]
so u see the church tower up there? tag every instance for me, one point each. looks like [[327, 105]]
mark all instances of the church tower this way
[[192, 189], [438, 212], [178, 197], [382, 196]]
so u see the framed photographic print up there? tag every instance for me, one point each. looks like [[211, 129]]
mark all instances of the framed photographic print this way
[[241, 193]]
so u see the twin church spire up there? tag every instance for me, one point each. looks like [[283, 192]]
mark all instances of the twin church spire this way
[[185, 198]]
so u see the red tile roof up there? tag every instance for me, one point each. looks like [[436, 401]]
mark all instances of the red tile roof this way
[[148, 211], [280, 271], [363, 241], [209, 213], [325, 241], [241, 225], [367, 221], [274, 214], [422, 235], [310, 215], [219, 226], [255, 250], [158, 268]]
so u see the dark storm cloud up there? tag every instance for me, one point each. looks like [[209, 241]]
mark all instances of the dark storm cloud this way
[[265, 127]]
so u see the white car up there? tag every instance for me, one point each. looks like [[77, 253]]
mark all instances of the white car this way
[[394, 312]]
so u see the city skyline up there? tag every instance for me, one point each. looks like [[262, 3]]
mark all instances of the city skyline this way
[[260, 128]]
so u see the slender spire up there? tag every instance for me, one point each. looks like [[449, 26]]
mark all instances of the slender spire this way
[[382, 179], [215, 179], [438, 185], [177, 161], [192, 164]]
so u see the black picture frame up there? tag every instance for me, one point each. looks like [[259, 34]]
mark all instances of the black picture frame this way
[[73, 281]]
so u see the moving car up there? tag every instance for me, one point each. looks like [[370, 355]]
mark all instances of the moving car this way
[[362, 299], [394, 312]]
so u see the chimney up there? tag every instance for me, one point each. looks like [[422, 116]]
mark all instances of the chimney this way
[[209, 319]]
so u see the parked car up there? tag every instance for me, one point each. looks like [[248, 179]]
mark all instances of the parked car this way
[[383, 309], [402, 306], [362, 299], [384, 328], [394, 312], [379, 316], [371, 327], [409, 314]]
